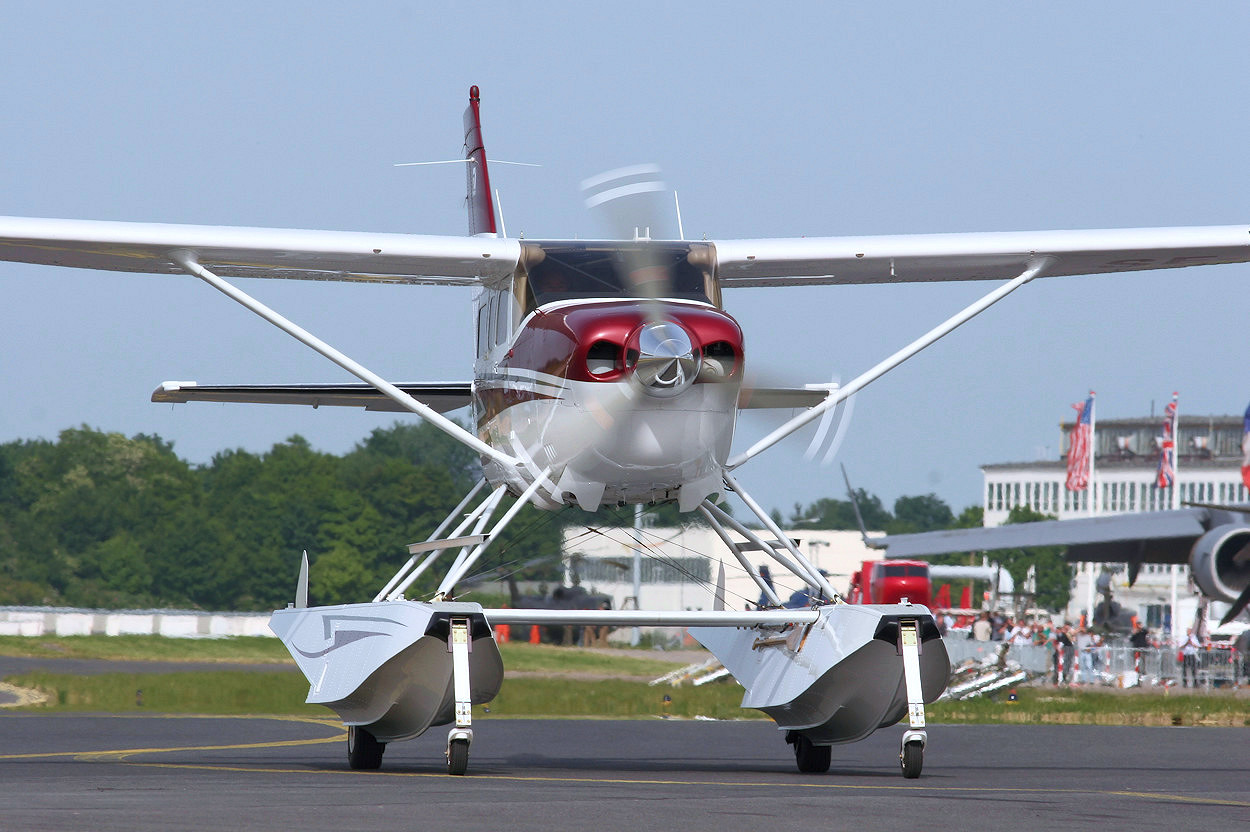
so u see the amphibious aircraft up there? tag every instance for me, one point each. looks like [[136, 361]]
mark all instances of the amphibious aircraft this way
[[608, 372]]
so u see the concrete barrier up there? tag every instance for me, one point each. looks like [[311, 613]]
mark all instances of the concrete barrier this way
[[58, 621]]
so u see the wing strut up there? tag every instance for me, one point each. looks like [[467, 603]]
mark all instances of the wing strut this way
[[466, 560], [766, 591], [1036, 266], [188, 262]]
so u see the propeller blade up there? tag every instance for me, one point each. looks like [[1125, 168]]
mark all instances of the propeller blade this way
[[1243, 600]]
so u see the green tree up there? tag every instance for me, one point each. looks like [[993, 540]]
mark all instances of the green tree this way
[[920, 514], [830, 513]]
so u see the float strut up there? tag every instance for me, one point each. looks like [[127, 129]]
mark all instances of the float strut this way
[[460, 644]]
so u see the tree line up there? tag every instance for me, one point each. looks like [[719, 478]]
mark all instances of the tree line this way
[[97, 519], [101, 520]]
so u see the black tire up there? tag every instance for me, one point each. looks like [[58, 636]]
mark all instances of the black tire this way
[[364, 752], [911, 758], [458, 757], [811, 758]]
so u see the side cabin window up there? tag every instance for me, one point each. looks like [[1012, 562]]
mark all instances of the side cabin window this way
[[581, 271], [503, 315], [494, 319], [483, 326]]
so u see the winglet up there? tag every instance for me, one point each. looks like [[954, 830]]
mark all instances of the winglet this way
[[481, 208]]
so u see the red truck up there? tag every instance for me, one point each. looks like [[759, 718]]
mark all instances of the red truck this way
[[890, 581]]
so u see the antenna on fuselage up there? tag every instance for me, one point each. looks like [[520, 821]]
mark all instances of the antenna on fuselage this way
[[503, 229]]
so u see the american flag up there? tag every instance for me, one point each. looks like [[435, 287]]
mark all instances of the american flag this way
[[1167, 447], [1245, 449], [1078, 450]]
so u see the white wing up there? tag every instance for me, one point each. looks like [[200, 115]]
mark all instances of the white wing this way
[[259, 252], [981, 256], [457, 261]]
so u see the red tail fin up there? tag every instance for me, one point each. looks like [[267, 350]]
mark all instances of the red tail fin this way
[[481, 206]]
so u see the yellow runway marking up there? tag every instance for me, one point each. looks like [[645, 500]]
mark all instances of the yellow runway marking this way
[[618, 781], [122, 755]]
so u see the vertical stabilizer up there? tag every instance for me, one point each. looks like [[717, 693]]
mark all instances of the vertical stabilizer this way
[[481, 208]]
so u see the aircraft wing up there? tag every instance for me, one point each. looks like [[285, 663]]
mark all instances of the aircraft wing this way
[[456, 261], [259, 252], [441, 397], [1146, 537], [802, 261]]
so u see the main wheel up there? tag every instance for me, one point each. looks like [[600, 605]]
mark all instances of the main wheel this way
[[458, 757], [363, 749], [911, 758], [811, 758]]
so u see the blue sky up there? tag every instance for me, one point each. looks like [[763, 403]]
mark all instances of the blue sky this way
[[770, 121]]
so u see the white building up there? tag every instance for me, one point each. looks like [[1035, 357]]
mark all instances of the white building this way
[[679, 565], [1126, 463]]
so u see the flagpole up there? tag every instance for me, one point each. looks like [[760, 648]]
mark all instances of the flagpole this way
[[1093, 452], [1176, 454]]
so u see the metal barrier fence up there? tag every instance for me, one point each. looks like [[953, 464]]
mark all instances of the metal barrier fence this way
[[1129, 667], [1114, 666]]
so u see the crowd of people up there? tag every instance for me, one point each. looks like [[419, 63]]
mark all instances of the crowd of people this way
[[1077, 654]]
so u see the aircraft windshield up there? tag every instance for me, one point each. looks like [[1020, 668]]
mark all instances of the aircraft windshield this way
[[573, 271]]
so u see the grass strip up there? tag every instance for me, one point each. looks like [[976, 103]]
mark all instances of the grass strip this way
[[524, 657], [552, 659], [234, 649], [1038, 706], [236, 692], [217, 692]]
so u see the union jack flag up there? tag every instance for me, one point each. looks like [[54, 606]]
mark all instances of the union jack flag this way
[[1079, 446], [1167, 447], [1245, 449]]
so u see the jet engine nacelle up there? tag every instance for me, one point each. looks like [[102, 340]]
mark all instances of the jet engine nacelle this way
[[1220, 562]]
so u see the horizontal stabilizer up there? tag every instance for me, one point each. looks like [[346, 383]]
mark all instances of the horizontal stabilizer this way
[[782, 398], [440, 397]]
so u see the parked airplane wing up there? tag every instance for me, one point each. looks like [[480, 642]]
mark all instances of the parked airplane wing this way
[[441, 397], [1147, 537], [974, 256], [258, 252]]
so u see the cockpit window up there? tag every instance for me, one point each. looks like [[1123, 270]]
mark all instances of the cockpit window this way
[[614, 270]]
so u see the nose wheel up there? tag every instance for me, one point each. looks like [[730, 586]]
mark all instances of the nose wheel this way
[[911, 756], [458, 754]]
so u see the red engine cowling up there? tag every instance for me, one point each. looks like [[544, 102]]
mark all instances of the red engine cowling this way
[[1220, 561]]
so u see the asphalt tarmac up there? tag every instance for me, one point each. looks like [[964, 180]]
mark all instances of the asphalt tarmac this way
[[152, 772]]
